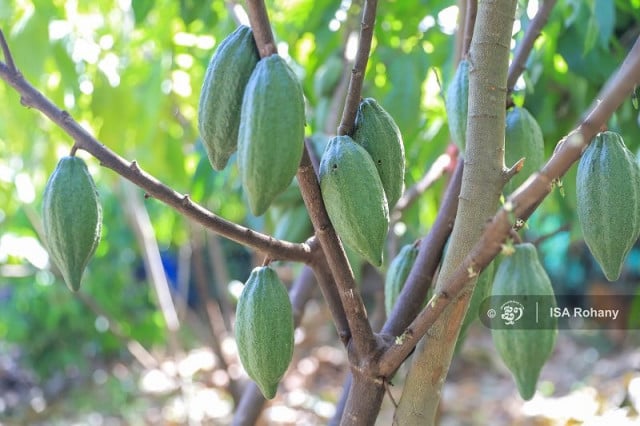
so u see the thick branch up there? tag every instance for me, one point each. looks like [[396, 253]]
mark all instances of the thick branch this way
[[359, 67], [520, 204], [534, 30], [130, 170]]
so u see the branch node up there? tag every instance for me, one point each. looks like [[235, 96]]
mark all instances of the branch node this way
[[134, 166], [7, 55]]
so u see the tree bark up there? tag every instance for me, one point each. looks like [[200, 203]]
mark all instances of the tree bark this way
[[482, 183]]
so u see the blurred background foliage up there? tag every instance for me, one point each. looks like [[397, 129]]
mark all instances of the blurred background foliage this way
[[130, 71]]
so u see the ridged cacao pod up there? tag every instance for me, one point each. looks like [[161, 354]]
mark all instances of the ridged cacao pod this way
[[293, 224], [354, 197], [524, 351], [608, 201], [221, 95], [523, 139], [397, 274], [270, 140], [378, 133], [264, 329], [71, 218], [457, 104]]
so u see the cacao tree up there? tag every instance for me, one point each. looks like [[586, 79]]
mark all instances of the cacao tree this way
[[410, 140]]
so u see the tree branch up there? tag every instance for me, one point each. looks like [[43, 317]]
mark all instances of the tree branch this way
[[519, 205], [360, 65], [262, 34], [534, 30], [469, 24], [362, 337], [130, 170]]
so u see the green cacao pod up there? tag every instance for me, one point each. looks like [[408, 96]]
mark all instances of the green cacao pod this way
[[524, 351], [523, 139], [293, 224], [71, 218], [354, 197], [397, 274], [376, 131], [608, 201], [221, 95], [328, 76], [271, 136], [457, 104], [264, 329]]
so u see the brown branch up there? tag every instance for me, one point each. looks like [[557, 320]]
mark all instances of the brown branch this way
[[130, 170], [362, 336], [541, 239], [8, 57], [360, 65], [534, 30], [520, 204], [250, 405], [469, 24], [359, 330], [262, 34], [412, 296]]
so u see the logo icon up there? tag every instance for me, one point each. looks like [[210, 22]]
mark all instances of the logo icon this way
[[511, 312]]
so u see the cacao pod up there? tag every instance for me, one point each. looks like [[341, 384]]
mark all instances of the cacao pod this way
[[221, 95], [328, 76], [293, 224], [264, 329], [270, 139], [376, 131], [71, 218], [608, 201], [524, 351], [397, 274], [457, 104], [523, 139], [354, 197]]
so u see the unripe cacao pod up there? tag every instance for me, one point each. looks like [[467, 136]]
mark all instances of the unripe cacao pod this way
[[376, 131], [523, 139], [327, 76], [524, 351], [293, 224], [354, 197], [397, 274], [71, 218], [457, 104], [264, 329], [608, 201], [271, 136], [221, 95]]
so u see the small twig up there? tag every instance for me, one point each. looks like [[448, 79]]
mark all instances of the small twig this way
[[513, 234], [534, 30], [469, 24], [513, 170], [541, 239], [360, 65], [387, 388], [8, 57], [436, 171]]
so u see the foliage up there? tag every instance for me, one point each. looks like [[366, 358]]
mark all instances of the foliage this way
[[132, 75]]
